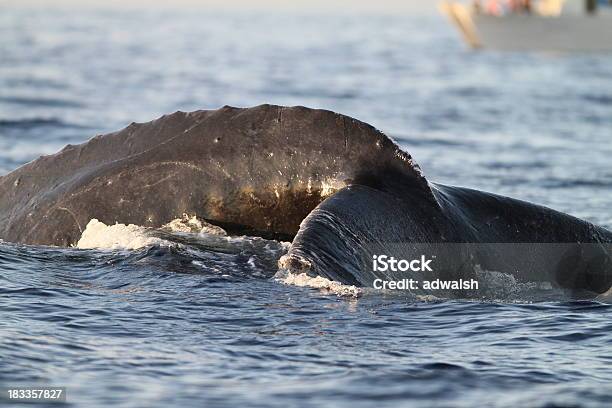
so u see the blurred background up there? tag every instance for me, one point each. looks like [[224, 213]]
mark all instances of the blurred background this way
[[531, 125]]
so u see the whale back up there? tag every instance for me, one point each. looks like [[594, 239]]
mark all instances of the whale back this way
[[465, 231], [259, 170]]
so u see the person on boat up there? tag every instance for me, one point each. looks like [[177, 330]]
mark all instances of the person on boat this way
[[526, 6], [502, 7], [519, 6], [550, 8], [494, 8]]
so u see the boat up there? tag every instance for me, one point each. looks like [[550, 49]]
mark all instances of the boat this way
[[536, 25]]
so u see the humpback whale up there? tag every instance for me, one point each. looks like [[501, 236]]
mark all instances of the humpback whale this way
[[339, 189]]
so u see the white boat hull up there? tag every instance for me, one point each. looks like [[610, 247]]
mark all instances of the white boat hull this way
[[564, 33]]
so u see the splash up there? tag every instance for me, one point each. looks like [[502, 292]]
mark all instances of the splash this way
[[188, 224], [605, 297], [323, 284], [119, 236]]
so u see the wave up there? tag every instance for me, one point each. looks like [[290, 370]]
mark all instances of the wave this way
[[98, 235], [605, 100], [318, 282], [433, 141], [119, 236], [192, 224], [495, 287], [186, 246], [190, 245], [553, 182], [43, 102], [107, 250], [30, 123]]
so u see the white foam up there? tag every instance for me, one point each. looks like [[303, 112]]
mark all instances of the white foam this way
[[303, 280], [605, 297], [192, 224], [119, 236], [331, 186]]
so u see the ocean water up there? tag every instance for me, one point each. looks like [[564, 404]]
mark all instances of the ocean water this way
[[202, 321]]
